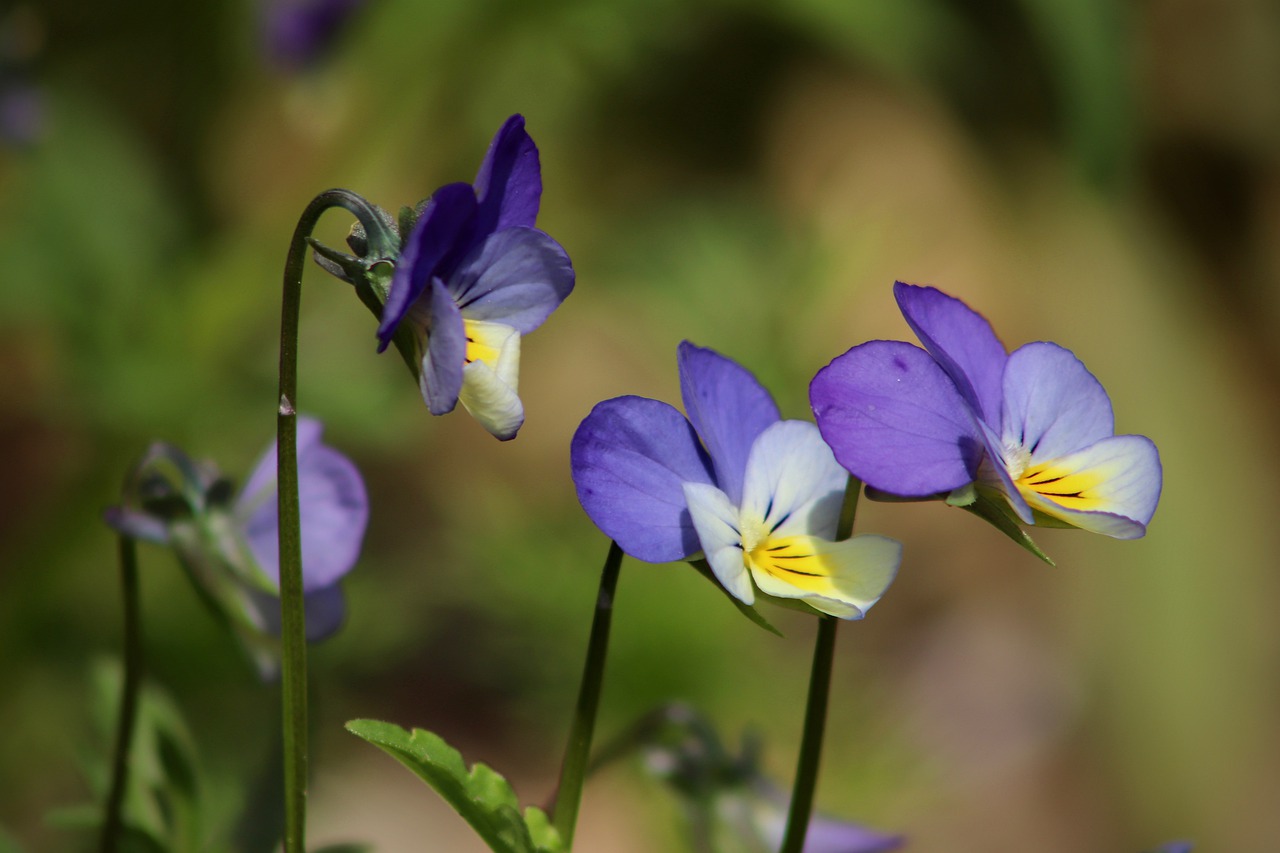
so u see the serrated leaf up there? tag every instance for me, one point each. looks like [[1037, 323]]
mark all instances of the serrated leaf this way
[[482, 797], [745, 609], [993, 512]]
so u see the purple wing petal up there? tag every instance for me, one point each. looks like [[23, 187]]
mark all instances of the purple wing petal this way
[[727, 407], [263, 476], [325, 611], [444, 354], [509, 183], [1052, 404], [630, 459], [440, 232], [516, 277], [961, 340], [895, 420], [333, 506]]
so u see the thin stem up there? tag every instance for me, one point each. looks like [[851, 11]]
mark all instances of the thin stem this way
[[574, 770], [293, 632], [113, 819], [815, 713]]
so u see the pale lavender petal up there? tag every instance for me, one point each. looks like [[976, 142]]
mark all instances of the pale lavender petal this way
[[1111, 487], [825, 834], [1052, 404], [516, 277], [961, 340], [509, 183], [895, 420], [727, 407], [334, 511], [445, 352], [994, 471], [445, 224], [630, 460], [325, 608], [716, 520], [263, 477], [137, 524], [793, 483]]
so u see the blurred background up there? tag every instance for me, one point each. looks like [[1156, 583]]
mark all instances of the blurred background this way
[[751, 176]]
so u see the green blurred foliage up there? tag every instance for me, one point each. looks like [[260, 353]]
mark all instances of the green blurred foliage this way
[[751, 176]]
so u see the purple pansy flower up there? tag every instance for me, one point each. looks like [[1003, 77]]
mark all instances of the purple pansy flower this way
[[759, 496], [473, 276], [297, 33], [824, 835], [1033, 426], [229, 547]]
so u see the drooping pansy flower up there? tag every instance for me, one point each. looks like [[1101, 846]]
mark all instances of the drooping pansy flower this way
[[760, 497], [227, 542], [474, 275], [1033, 427]]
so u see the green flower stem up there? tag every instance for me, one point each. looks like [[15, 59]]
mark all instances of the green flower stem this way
[[564, 813], [293, 633], [815, 713], [113, 819]]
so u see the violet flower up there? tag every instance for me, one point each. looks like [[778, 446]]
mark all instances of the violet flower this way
[[229, 546], [298, 33], [1033, 427], [473, 276], [759, 496]]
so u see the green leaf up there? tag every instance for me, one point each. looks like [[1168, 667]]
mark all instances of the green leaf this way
[[993, 510], [745, 609], [482, 797]]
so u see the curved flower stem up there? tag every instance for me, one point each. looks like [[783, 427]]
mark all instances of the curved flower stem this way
[[293, 634], [113, 819], [564, 812], [815, 713]]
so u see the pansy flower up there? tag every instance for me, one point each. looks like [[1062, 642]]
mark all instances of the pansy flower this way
[[760, 497], [1033, 427], [473, 276], [227, 542]]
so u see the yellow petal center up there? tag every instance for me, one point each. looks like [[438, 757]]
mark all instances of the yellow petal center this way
[[480, 346], [1053, 482]]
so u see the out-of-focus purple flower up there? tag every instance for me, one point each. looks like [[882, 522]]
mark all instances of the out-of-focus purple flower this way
[[22, 113], [298, 33], [229, 545], [1033, 426], [825, 834], [473, 276], [1174, 847], [759, 496]]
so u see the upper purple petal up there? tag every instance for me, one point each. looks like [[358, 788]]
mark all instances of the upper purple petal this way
[[325, 611], [630, 459], [962, 342], [895, 420], [517, 277], [1052, 404], [509, 183], [727, 407], [440, 376], [332, 504], [445, 224]]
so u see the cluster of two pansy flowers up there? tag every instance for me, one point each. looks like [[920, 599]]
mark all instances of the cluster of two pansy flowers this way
[[754, 500]]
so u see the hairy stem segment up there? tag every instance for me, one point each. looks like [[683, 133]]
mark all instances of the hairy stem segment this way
[[573, 772], [292, 615], [113, 818], [815, 714]]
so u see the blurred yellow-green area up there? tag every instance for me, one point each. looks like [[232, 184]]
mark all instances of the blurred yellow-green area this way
[[753, 177]]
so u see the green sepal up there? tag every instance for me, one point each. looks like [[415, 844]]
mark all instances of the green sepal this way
[[963, 496], [994, 510], [482, 797], [746, 610]]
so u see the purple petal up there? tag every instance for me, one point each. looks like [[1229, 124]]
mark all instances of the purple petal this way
[[516, 277], [630, 459], [136, 524], [445, 352], [445, 224], [263, 477], [509, 183], [1052, 404], [895, 420], [325, 611], [333, 506], [727, 407], [961, 340]]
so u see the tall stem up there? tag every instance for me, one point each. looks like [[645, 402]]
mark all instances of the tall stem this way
[[815, 713], [574, 770], [293, 631], [113, 819]]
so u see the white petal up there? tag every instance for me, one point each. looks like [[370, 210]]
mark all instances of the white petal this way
[[841, 578], [793, 482], [715, 518], [489, 380]]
